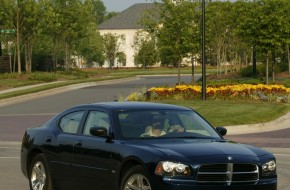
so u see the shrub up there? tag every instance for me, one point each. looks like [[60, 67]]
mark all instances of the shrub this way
[[259, 92], [43, 76], [9, 76], [75, 72]]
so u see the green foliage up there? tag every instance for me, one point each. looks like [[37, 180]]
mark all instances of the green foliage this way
[[42, 76], [90, 47], [62, 29], [121, 58], [109, 15], [248, 71], [147, 53], [8, 76], [75, 72], [111, 47]]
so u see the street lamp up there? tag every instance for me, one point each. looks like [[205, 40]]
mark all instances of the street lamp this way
[[203, 53]]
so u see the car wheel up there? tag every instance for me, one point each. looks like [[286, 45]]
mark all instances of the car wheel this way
[[135, 178], [39, 178]]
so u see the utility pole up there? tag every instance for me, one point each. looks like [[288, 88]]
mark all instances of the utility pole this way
[[203, 53], [0, 49]]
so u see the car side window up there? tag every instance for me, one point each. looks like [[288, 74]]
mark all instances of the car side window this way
[[70, 122], [96, 119]]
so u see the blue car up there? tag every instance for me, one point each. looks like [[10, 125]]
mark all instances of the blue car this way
[[140, 146]]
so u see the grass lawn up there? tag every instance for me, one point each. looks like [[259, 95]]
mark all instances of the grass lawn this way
[[226, 113]]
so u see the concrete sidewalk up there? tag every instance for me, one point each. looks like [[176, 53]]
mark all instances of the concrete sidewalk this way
[[26, 87]]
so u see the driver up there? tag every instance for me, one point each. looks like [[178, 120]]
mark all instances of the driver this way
[[155, 130]]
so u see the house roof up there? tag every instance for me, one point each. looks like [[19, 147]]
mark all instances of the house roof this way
[[129, 18]]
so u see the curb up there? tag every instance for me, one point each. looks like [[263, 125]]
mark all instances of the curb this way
[[278, 124]]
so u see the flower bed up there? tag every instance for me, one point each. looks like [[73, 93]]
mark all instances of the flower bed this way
[[258, 92]]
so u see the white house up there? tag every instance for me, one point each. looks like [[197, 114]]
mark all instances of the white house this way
[[126, 23]]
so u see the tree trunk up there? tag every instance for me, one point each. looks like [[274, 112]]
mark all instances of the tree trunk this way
[[28, 55], [179, 64], [111, 63], [0, 48], [288, 50], [218, 62], [224, 61], [192, 69], [18, 41], [67, 66], [14, 60], [273, 66], [267, 68], [54, 55], [9, 54], [254, 61]]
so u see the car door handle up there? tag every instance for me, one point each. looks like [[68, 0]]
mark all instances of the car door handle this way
[[78, 144], [48, 140]]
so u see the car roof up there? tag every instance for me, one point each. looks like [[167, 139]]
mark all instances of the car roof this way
[[129, 105]]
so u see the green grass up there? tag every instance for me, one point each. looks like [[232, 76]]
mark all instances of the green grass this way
[[227, 113]]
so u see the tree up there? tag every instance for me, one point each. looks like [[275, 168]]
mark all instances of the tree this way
[[90, 47], [219, 33], [24, 17], [265, 26], [99, 10], [7, 32], [89, 42], [111, 46], [11, 15], [33, 12], [146, 53], [272, 28], [71, 27], [121, 58], [176, 30]]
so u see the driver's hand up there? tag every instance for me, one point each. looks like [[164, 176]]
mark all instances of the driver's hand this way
[[177, 128]]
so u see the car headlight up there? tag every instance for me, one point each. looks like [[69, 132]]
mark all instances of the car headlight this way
[[166, 168], [269, 168]]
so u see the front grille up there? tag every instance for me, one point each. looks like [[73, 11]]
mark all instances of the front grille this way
[[228, 173]]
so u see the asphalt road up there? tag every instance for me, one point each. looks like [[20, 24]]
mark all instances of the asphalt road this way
[[15, 118]]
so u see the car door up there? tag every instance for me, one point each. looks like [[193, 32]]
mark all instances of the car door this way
[[93, 164], [61, 163]]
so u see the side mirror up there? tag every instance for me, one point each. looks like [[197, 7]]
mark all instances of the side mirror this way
[[222, 131], [98, 131]]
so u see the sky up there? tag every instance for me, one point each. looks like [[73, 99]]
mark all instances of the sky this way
[[120, 5]]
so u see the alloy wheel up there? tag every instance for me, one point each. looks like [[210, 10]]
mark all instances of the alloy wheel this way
[[137, 182], [38, 176]]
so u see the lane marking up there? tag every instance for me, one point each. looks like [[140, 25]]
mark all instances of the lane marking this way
[[10, 148], [287, 155], [31, 114], [9, 157]]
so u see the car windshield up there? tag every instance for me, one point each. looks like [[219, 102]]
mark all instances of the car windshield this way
[[148, 124]]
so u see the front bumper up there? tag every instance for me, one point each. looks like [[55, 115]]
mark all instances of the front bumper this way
[[267, 184]]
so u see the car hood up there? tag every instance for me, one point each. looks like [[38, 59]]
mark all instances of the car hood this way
[[201, 147]]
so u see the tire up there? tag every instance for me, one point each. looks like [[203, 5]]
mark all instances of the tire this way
[[39, 177], [135, 178]]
